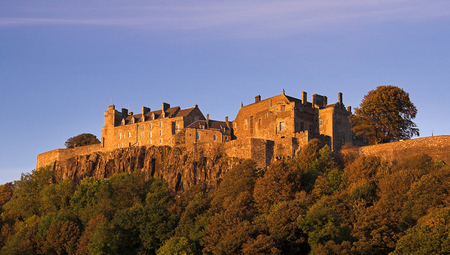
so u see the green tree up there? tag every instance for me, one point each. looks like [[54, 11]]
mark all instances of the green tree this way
[[429, 236], [81, 140], [25, 201], [385, 115], [177, 246]]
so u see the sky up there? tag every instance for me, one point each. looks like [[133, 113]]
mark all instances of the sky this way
[[63, 62]]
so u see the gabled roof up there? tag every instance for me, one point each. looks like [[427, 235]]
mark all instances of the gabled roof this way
[[170, 113], [213, 124]]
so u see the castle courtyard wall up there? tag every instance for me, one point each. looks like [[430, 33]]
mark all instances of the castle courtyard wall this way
[[437, 147]]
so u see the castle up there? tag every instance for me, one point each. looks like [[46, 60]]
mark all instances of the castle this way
[[276, 127]]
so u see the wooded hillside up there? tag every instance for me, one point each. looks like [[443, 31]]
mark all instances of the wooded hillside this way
[[311, 204]]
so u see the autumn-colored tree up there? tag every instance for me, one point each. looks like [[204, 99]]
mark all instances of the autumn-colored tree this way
[[81, 140], [430, 236], [385, 115]]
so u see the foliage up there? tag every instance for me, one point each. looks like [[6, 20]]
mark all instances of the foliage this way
[[385, 115], [81, 140], [305, 205], [430, 236]]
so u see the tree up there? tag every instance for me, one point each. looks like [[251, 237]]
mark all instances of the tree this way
[[385, 115], [81, 140]]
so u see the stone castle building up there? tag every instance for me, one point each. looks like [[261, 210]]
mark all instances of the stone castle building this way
[[276, 127]]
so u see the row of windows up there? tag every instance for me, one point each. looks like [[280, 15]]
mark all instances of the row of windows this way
[[124, 135], [198, 136], [150, 134]]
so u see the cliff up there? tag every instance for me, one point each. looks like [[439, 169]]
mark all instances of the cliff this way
[[179, 167]]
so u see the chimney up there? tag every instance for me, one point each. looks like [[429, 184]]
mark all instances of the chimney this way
[[325, 101], [304, 98], [124, 113], [207, 120], [145, 110], [341, 105], [226, 120], [165, 106], [257, 98], [349, 109]]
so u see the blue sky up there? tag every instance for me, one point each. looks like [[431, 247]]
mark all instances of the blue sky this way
[[63, 62]]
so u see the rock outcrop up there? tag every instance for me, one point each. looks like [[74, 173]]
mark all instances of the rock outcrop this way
[[179, 167]]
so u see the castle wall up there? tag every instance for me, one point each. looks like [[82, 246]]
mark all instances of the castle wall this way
[[49, 157], [334, 122], [438, 147]]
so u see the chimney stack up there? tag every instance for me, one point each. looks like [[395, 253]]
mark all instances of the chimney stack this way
[[304, 98], [145, 110], [340, 100], [226, 121], [207, 120], [124, 113], [257, 98], [165, 106]]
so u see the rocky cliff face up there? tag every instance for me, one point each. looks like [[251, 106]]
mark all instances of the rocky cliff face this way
[[179, 167]]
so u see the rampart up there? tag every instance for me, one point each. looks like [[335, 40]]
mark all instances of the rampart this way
[[437, 147], [50, 157]]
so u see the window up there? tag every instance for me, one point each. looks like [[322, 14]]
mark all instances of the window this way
[[150, 126], [150, 142], [177, 128], [142, 127], [245, 121], [118, 145], [282, 126], [120, 136], [283, 108], [122, 145], [235, 125], [259, 122], [215, 137], [160, 140], [150, 134], [197, 136], [342, 137], [320, 122], [142, 135], [160, 124], [160, 132], [226, 138], [129, 134], [139, 143]]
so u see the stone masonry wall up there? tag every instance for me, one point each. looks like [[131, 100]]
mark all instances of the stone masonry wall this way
[[438, 147]]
